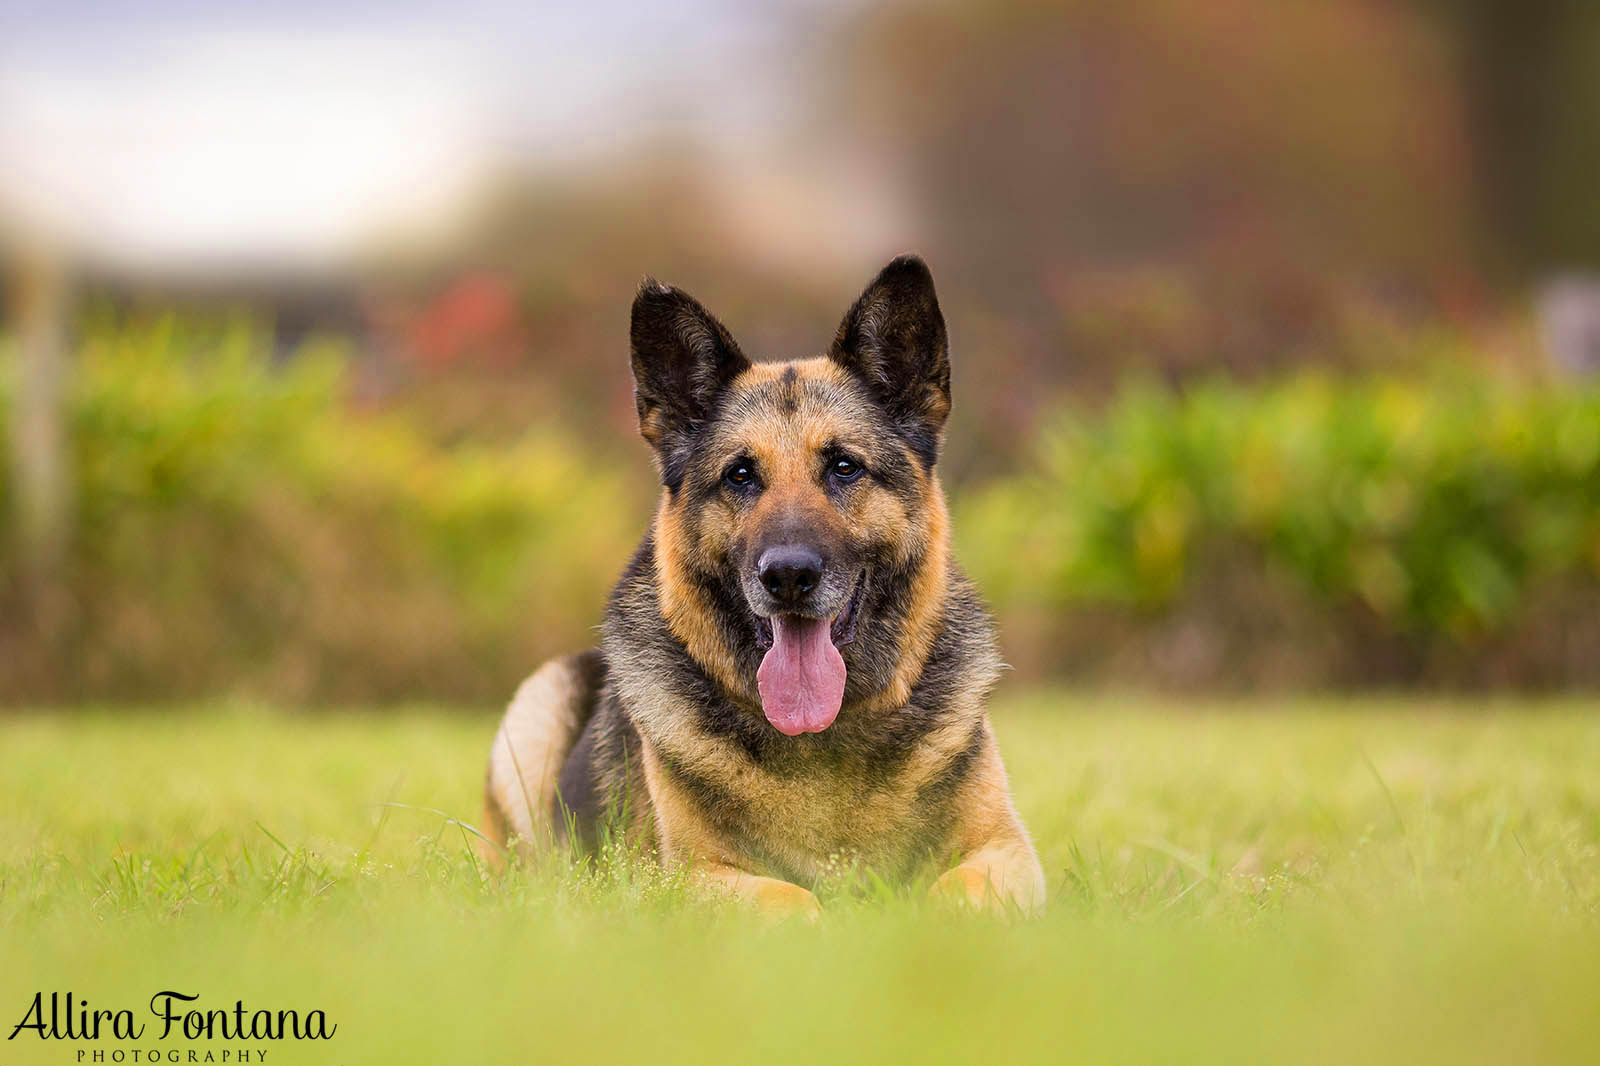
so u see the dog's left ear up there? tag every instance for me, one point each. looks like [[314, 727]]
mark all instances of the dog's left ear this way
[[894, 340]]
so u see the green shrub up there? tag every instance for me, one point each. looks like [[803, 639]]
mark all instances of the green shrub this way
[[1440, 507], [239, 526]]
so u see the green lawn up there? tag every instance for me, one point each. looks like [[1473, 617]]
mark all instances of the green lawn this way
[[1340, 882]]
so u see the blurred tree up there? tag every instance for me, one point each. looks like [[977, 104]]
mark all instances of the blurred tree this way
[[1268, 152], [1532, 73]]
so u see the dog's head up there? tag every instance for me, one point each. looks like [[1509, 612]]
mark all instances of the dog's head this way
[[801, 540]]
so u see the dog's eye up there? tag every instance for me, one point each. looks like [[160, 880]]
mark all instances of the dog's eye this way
[[845, 470], [740, 475]]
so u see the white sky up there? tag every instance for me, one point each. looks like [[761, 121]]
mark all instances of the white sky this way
[[184, 132]]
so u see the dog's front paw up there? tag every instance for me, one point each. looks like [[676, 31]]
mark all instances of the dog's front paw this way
[[987, 889], [966, 886], [781, 899], [767, 895]]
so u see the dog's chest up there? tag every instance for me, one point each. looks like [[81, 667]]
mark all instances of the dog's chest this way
[[878, 793], [804, 818]]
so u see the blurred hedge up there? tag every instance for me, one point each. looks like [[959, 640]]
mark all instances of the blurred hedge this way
[[1314, 531], [239, 528]]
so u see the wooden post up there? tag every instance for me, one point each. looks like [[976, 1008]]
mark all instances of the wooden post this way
[[38, 425]]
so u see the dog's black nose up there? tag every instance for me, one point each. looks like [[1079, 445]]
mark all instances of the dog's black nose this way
[[789, 572]]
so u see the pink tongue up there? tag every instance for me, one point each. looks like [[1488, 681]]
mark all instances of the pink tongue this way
[[802, 676]]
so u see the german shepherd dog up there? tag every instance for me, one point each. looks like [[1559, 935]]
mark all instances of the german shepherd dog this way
[[793, 672]]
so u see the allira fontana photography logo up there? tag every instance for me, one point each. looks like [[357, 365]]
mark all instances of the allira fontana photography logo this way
[[173, 1018]]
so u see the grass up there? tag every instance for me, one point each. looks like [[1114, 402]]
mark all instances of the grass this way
[[1372, 881]]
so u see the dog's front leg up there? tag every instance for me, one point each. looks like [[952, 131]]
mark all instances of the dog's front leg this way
[[683, 838], [998, 868]]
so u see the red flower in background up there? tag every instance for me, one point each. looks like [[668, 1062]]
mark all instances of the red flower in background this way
[[476, 317]]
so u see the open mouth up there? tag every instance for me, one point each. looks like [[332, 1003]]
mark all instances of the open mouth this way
[[843, 629], [801, 677]]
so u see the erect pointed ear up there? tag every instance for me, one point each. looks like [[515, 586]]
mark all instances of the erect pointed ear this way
[[682, 360], [893, 339]]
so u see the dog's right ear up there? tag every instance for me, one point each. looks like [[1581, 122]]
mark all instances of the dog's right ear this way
[[682, 360]]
